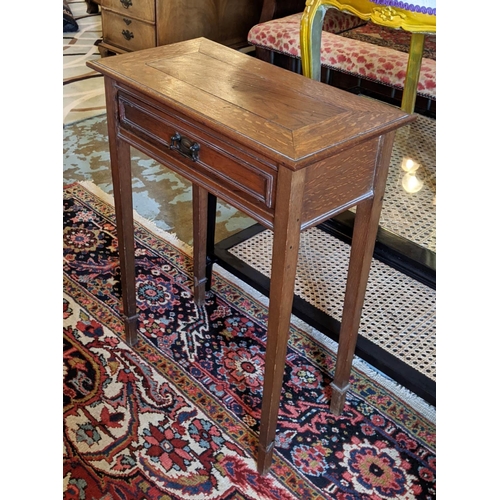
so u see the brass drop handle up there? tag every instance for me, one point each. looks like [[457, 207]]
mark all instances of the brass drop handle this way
[[185, 146], [126, 3]]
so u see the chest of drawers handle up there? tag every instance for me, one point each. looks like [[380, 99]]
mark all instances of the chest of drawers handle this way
[[185, 146], [126, 3], [128, 35]]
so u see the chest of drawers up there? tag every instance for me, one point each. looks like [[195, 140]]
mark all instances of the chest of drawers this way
[[130, 25]]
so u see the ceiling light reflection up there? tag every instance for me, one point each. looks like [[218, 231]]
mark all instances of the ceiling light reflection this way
[[411, 183]]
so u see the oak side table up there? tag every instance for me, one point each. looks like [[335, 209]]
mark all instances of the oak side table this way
[[286, 150]]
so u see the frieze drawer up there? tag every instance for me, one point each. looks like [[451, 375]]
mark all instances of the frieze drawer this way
[[203, 157]]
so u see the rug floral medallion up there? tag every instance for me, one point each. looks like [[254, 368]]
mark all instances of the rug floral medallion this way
[[177, 415]]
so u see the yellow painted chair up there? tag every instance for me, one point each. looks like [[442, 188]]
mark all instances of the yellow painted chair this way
[[419, 21]]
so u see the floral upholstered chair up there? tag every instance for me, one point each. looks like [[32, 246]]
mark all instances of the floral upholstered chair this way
[[418, 19], [325, 34]]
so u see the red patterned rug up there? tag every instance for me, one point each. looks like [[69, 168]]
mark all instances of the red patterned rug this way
[[177, 416]]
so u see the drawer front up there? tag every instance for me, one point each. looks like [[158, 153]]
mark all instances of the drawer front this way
[[139, 9], [215, 165], [126, 32]]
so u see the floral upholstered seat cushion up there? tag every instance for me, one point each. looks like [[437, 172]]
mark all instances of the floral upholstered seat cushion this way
[[338, 22], [371, 62]]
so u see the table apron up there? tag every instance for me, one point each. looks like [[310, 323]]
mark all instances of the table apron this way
[[231, 174], [239, 176]]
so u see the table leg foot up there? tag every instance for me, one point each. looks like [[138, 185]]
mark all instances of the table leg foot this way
[[265, 458], [131, 329], [337, 402], [199, 291]]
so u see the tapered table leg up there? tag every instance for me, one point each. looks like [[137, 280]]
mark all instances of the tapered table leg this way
[[200, 220], [363, 243], [284, 263], [119, 152]]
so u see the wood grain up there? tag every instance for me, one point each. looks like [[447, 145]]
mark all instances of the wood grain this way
[[140, 34], [338, 183], [224, 21], [137, 9], [119, 151], [295, 137], [363, 242], [286, 244]]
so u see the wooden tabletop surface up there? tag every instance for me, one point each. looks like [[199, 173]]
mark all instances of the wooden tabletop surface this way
[[249, 100]]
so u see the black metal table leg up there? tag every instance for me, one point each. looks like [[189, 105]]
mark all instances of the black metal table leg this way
[[212, 216]]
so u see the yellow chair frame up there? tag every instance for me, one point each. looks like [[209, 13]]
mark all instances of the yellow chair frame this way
[[416, 23]]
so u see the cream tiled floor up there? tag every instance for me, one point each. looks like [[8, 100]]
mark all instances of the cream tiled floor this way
[[83, 91]]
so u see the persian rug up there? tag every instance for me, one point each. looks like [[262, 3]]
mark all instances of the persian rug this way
[[177, 415]]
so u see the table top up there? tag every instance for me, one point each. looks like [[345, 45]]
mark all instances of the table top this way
[[285, 116]]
